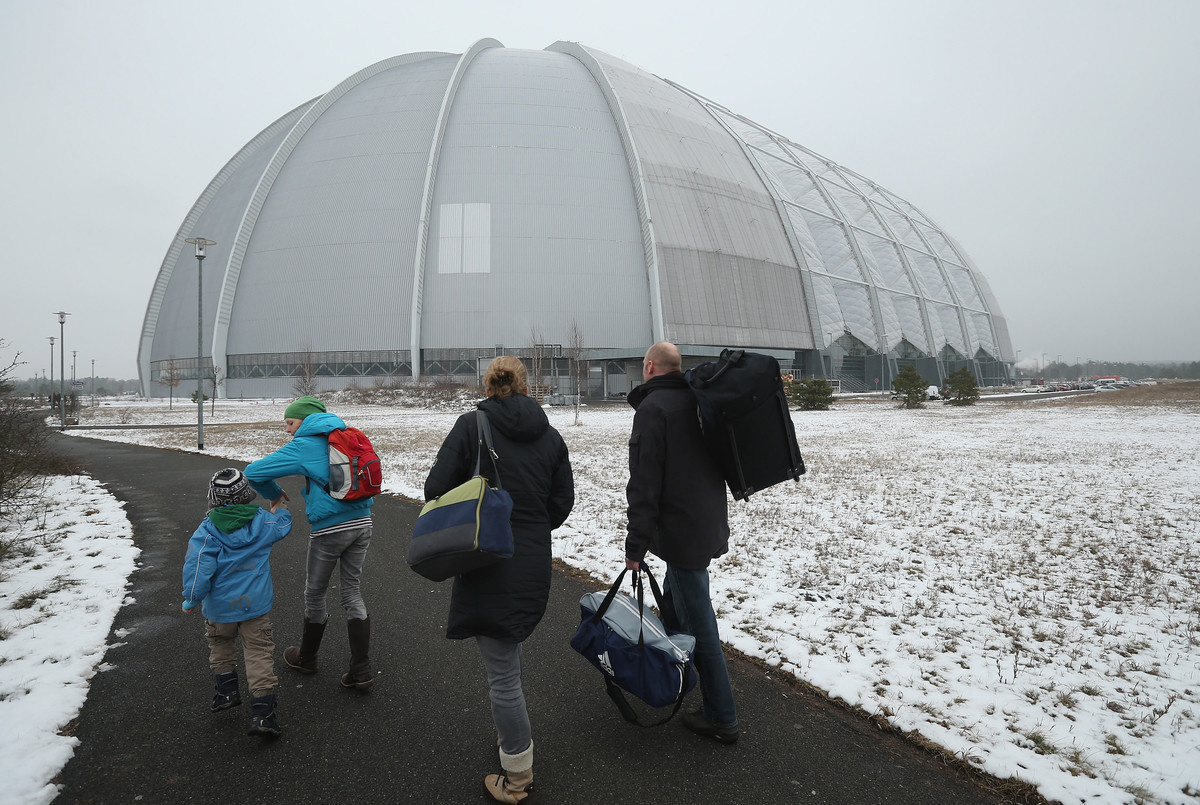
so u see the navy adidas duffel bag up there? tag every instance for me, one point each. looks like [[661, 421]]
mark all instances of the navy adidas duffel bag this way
[[627, 642]]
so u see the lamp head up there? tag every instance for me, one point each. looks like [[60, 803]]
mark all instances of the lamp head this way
[[200, 244]]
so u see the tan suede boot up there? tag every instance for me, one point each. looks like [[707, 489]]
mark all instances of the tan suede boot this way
[[516, 783]]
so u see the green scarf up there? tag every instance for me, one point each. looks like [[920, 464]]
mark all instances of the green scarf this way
[[232, 517]]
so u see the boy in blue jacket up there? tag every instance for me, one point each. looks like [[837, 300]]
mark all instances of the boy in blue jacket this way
[[228, 572], [341, 534]]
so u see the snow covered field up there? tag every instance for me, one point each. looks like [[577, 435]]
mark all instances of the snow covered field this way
[[1017, 582]]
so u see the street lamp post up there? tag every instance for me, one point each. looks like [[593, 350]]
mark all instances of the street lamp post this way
[[50, 391], [62, 369], [200, 244], [93, 382]]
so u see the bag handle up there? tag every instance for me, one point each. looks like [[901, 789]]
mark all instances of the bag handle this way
[[729, 358], [614, 691], [485, 437]]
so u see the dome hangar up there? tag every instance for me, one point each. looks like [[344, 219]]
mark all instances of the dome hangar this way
[[435, 210]]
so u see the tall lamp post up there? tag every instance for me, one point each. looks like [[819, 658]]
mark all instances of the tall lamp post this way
[[62, 369], [50, 391], [201, 244], [93, 382]]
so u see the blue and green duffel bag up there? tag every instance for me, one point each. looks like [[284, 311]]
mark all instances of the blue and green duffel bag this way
[[628, 643], [468, 527]]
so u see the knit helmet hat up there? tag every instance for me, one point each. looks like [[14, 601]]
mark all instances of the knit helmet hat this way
[[229, 486], [303, 406]]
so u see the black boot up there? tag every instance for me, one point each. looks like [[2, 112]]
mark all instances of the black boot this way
[[262, 716], [227, 692], [361, 675], [304, 657]]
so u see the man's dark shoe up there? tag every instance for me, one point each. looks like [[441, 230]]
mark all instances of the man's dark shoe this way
[[697, 723]]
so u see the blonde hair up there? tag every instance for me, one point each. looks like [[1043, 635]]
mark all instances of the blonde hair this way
[[505, 377]]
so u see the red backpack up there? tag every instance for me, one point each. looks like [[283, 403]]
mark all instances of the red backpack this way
[[354, 468]]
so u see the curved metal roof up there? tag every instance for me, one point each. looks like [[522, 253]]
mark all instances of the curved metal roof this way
[[435, 202]]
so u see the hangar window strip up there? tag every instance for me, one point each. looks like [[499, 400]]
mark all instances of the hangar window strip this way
[[464, 239], [357, 363]]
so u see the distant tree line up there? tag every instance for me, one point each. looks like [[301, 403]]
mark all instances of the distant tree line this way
[[105, 386], [1133, 371]]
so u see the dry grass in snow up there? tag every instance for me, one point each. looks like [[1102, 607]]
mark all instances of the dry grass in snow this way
[[1017, 582]]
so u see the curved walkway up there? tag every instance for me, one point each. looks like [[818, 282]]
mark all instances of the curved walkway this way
[[423, 733]]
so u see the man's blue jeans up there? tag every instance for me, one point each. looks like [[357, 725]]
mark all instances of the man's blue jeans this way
[[688, 591]]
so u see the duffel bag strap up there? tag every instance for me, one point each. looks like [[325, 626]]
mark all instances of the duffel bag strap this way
[[618, 696], [485, 438], [608, 599]]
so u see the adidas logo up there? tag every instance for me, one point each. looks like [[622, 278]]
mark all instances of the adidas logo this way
[[605, 664]]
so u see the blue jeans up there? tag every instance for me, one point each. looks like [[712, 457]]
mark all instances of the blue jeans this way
[[503, 664], [347, 549], [688, 591]]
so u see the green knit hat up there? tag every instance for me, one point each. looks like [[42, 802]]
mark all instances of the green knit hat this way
[[304, 406]]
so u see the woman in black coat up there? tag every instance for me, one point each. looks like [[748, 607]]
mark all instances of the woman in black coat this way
[[499, 605]]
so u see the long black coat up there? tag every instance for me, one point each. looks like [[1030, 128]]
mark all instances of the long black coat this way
[[676, 494], [506, 600]]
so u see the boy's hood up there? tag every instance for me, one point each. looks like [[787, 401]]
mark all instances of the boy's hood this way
[[320, 425]]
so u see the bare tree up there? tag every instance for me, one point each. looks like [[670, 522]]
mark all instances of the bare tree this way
[[577, 359], [5, 372], [216, 379], [305, 384], [537, 362], [169, 376], [23, 440]]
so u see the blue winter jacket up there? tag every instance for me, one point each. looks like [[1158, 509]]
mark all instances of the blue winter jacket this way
[[307, 454], [231, 573]]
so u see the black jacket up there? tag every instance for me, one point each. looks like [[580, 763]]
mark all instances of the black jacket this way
[[677, 505], [506, 600]]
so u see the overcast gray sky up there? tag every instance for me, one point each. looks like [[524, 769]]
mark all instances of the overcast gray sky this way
[[1057, 140]]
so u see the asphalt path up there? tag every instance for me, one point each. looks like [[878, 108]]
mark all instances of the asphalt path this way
[[423, 732]]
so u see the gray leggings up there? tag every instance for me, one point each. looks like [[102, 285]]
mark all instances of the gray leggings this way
[[503, 664], [348, 550]]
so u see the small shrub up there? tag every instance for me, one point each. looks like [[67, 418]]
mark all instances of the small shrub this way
[[911, 387], [962, 388], [813, 394]]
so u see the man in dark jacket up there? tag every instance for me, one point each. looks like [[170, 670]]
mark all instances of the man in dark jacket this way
[[678, 511]]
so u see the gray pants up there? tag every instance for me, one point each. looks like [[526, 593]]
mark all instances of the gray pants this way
[[503, 664], [347, 549]]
